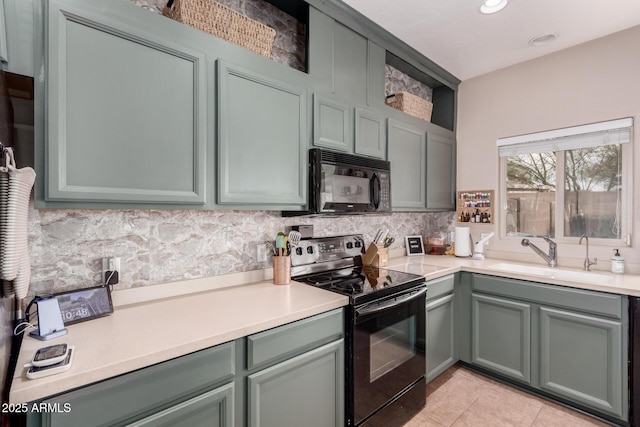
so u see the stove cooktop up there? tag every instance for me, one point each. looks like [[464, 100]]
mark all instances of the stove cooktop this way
[[363, 284]]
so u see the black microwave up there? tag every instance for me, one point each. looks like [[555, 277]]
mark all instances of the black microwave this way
[[341, 183]]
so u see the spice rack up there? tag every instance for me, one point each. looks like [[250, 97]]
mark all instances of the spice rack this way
[[476, 203]]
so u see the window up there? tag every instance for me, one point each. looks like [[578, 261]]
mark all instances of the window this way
[[568, 182]]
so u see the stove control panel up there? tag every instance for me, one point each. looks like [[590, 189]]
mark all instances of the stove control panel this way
[[324, 249]]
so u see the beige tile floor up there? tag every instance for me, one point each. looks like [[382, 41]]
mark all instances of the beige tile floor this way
[[460, 397]]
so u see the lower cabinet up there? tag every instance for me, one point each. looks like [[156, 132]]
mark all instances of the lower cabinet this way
[[292, 375], [501, 336], [581, 360], [442, 342], [307, 390], [567, 343]]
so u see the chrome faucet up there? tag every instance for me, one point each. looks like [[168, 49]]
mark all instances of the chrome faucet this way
[[587, 261], [551, 258]]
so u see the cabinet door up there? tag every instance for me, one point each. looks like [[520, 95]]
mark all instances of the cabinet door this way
[[307, 390], [262, 152], [331, 124], [581, 359], [211, 409], [441, 175], [442, 348], [501, 336], [126, 109], [19, 42], [408, 156], [370, 136]]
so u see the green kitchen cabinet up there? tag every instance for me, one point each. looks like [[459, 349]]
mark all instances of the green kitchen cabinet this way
[[332, 124], [370, 135], [338, 59], [407, 152], [197, 386], [501, 336], [305, 390], [126, 109], [295, 373], [16, 48], [262, 146], [423, 160], [442, 336], [441, 169], [581, 359], [569, 344]]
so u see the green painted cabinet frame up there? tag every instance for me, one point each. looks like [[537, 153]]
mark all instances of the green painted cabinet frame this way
[[262, 127], [441, 171], [442, 326], [115, 133]]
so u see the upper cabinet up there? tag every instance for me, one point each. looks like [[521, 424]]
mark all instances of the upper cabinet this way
[[126, 110], [422, 158], [16, 36], [262, 125]]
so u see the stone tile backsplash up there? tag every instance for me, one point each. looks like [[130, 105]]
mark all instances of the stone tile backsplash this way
[[67, 246]]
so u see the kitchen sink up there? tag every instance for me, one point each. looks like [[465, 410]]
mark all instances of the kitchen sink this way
[[554, 273]]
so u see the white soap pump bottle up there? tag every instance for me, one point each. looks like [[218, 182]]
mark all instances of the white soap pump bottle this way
[[617, 263]]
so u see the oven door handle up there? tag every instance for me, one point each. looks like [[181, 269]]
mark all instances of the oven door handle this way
[[392, 303]]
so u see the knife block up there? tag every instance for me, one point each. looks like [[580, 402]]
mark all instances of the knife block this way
[[376, 256]]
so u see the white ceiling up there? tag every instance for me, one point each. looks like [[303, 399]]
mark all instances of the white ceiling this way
[[457, 37]]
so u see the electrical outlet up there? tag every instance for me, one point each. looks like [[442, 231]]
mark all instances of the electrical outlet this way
[[261, 252], [111, 272]]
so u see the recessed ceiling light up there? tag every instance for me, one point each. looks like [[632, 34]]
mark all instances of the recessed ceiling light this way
[[542, 40], [493, 6]]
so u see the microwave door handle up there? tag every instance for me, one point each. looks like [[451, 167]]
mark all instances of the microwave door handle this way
[[393, 303], [376, 189]]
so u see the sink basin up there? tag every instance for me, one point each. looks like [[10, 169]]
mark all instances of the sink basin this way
[[554, 273]]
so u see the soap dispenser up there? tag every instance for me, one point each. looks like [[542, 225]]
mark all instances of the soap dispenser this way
[[617, 263]]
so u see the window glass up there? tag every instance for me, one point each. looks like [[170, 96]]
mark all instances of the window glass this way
[[593, 191], [531, 188]]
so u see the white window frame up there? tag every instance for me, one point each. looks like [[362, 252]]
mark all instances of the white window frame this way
[[545, 139]]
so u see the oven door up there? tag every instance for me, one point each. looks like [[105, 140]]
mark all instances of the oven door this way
[[388, 350]]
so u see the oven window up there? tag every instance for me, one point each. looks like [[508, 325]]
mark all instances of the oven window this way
[[391, 347], [345, 185]]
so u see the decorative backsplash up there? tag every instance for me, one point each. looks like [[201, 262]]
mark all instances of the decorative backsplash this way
[[396, 80], [67, 246]]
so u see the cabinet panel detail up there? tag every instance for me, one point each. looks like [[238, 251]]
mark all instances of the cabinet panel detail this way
[[408, 156], [262, 153], [501, 336], [442, 349], [441, 161], [331, 124], [370, 134], [580, 359], [214, 408], [307, 390], [122, 133]]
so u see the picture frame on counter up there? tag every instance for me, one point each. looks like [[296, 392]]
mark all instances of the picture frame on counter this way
[[414, 245]]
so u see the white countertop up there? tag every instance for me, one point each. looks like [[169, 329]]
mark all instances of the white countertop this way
[[142, 334], [158, 323]]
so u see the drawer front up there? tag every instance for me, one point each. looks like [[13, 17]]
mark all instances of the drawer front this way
[[578, 299], [439, 287], [292, 339], [130, 395]]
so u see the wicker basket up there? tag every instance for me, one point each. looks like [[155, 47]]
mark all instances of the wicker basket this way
[[221, 21], [411, 104]]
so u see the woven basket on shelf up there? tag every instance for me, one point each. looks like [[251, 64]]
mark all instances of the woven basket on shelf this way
[[221, 21], [411, 104]]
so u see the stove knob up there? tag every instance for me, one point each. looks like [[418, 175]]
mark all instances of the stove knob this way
[[309, 249], [298, 251], [358, 244], [349, 245]]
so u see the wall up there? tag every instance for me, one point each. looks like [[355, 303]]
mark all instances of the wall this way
[[592, 82]]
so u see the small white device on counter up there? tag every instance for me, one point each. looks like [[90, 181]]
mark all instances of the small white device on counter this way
[[478, 252], [51, 355], [50, 323], [463, 242], [56, 368], [617, 263]]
